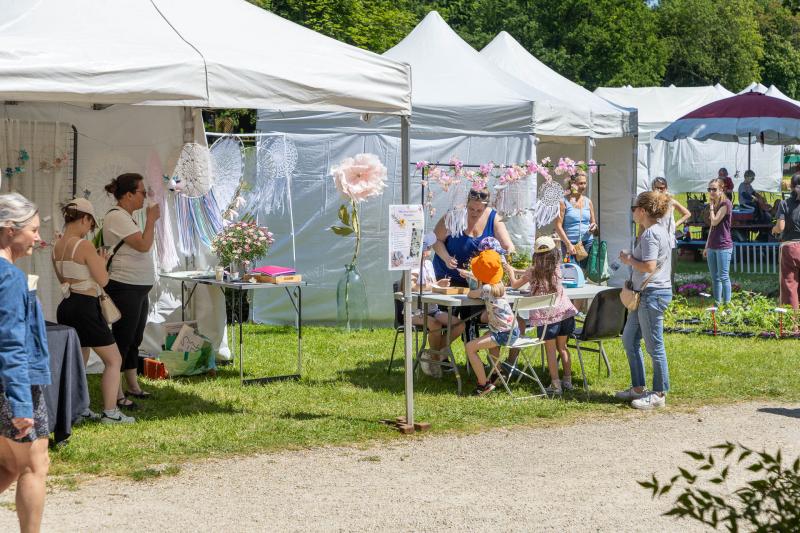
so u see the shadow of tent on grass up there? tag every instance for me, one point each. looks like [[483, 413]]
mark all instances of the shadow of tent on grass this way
[[782, 411], [373, 376], [167, 400]]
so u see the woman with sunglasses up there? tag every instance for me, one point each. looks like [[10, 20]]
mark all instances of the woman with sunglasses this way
[[788, 227], [650, 274], [454, 252], [719, 244], [668, 220], [131, 271], [576, 221]]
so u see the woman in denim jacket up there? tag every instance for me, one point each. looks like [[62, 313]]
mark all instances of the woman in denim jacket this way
[[24, 365]]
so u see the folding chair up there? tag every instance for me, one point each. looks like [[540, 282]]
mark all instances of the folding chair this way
[[399, 326], [605, 320], [525, 303]]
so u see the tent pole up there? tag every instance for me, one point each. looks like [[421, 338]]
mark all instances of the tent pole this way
[[749, 149], [405, 166]]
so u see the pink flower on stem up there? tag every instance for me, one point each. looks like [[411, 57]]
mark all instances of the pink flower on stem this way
[[360, 177]]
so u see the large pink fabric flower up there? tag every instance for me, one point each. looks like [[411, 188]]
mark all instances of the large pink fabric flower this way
[[360, 177]]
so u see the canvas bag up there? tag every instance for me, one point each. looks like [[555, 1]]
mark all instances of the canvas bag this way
[[631, 298], [597, 269]]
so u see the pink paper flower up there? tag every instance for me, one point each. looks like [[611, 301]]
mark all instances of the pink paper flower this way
[[360, 177]]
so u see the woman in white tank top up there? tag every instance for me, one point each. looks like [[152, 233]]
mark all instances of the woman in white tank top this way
[[81, 270]]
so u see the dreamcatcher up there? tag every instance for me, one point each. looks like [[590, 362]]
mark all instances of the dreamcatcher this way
[[193, 171], [550, 195], [512, 191], [276, 161], [165, 243], [227, 169], [455, 220], [198, 216]]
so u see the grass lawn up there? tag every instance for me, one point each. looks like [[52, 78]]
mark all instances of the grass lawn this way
[[345, 390]]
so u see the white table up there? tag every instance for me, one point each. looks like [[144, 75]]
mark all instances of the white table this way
[[451, 301], [240, 288]]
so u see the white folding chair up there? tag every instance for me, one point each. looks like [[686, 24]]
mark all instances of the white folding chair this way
[[525, 303]]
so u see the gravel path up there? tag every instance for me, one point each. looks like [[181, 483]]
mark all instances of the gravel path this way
[[578, 477]]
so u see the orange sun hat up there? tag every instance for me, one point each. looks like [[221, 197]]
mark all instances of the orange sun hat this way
[[487, 267]]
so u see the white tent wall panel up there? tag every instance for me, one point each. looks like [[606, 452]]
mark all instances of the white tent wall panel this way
[[321, 255], [120, 139]]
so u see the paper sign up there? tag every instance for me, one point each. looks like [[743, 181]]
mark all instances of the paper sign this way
[[406, 230], [187, 340]]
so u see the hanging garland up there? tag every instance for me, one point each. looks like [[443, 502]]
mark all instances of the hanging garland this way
[[512, 196], [22, 158]]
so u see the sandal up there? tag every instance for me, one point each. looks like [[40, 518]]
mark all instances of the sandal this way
[[125, 403], [142, 395]]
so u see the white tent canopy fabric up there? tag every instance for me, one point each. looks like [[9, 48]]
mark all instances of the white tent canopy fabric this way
[[589, 128], [58, 57], [164, 52], [688, 164], [463, 107], [586, 114]]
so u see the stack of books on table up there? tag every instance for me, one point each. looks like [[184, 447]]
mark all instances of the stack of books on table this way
[[276, 274]]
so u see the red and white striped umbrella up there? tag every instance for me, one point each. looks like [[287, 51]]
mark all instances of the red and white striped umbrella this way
[[744, 118]]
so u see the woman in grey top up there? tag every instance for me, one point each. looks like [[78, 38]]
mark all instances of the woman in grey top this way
[[650, 267]]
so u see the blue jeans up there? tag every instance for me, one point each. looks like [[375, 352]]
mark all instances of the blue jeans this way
[[719, 261], [648, 322]]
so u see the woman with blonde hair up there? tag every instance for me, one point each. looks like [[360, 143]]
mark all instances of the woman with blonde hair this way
[[24, 365], [650, 275]]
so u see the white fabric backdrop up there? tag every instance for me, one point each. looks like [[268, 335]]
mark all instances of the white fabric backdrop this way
[[115, 140], [321, 255]]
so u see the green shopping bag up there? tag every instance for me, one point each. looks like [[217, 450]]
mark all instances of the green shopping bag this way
[[597, 269], [188, 363]]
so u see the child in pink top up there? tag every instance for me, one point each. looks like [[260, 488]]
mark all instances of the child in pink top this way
[[558, 322]]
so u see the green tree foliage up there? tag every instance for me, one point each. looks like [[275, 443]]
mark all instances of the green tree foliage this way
[[781, 30], [711, 41], [375, 25]]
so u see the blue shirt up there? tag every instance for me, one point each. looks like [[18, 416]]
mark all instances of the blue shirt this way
[[463, 248], [576, 221], [24, 357]]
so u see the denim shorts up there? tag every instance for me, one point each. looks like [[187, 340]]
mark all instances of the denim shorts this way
[[502, 337], [564, 328]]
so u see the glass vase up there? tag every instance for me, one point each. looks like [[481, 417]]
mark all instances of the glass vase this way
[[351, 300]]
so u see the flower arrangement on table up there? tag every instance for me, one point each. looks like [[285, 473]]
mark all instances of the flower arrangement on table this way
[[357, 179], [242, 243]]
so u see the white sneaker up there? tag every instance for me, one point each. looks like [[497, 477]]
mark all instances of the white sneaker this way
[[436, 369], [87, 416], [651, 401], [116, 417], [630, 394]]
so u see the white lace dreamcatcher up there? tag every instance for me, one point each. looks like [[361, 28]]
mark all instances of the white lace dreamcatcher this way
[[193, 171], [455, 220], [276, 161], [227, 169], [512, 198], [550, 195]]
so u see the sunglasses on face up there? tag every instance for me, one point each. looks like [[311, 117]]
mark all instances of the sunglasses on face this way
[[483, 196], [634, 208], [712, 189]]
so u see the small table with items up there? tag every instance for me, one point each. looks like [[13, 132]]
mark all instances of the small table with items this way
[[67, 396], [451, 301], [240, 288]]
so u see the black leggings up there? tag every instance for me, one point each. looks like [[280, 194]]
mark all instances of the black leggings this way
[[129, 330]]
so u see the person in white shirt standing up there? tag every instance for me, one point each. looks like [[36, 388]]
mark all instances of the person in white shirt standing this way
[[132, 272]]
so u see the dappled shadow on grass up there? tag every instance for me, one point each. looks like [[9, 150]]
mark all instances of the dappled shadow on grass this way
[[168, 400], [372, 375], [782, 411]]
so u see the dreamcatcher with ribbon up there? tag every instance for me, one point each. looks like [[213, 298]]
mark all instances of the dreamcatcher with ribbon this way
[[276, 162], [198, 216]]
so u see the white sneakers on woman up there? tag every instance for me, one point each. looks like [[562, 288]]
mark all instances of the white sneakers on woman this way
[[652, 400], [630, 394], [115, 416]]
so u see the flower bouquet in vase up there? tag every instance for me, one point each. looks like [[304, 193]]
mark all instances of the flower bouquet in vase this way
[[357, 178], [241, 244]]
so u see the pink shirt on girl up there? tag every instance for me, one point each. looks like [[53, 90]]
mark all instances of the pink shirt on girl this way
[[562, 308]]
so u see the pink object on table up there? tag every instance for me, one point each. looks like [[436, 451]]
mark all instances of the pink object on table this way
[[272, 270]]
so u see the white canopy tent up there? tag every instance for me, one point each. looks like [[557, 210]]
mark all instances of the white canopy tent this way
[[593, 128], [688, 164], [463, 106], [60, 56]]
